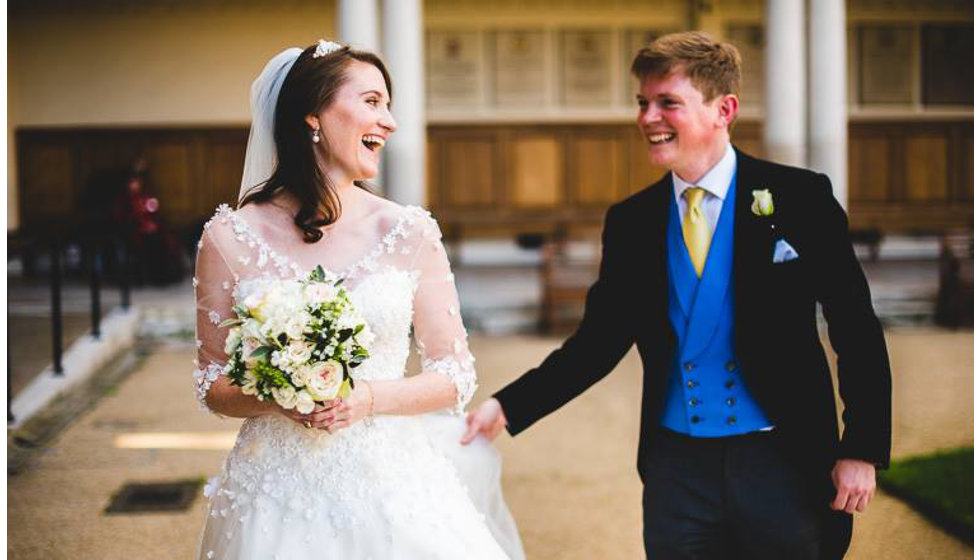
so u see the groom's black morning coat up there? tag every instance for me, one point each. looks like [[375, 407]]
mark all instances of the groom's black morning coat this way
[[776, 340]]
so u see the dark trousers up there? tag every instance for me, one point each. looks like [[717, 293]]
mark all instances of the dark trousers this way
[[736, 498]]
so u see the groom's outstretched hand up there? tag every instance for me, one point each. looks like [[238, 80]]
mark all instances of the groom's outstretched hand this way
[[855, 483], [487, 419]]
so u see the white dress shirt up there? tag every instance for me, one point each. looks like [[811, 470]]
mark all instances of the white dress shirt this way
[[716, 181]]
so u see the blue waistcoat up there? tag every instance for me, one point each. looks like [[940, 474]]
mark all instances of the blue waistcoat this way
[[705, 393]]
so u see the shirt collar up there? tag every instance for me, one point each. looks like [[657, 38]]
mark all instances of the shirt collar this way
[[716, 181]]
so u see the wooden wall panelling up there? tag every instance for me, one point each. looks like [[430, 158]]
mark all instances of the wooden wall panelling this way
[[961, 162], [433, 178], [222, 159], [869, 168], [926, 166], [504, 178], [597, 164], [966, 184], [47, 172], [534, 165], [99, 151], [470, 170], [170, 177]]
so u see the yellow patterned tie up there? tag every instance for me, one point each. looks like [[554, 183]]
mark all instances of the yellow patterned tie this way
[[697, 237]]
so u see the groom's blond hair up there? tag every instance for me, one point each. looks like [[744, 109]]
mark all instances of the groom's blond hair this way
[[714, 68]]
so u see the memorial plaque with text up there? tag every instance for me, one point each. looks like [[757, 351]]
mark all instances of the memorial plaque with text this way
[[520, 68], [453, 68], [585, 67], [886, 64]]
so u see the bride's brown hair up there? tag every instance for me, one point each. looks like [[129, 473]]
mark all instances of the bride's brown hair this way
[[309, 88]]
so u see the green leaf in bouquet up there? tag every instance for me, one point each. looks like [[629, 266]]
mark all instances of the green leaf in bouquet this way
[[261, 352], [338, 282], [318, 274], [233, 322], [237, 373], [358, 329], [240, 310], [358, 357], [344, 334]]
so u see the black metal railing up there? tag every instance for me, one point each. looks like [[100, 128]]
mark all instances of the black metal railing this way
[[95, 248]]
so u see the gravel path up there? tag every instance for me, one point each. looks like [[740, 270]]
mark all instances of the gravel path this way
[[570, 480]]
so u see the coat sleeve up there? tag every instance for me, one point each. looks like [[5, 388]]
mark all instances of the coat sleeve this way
[[863, 371], [598, 344]]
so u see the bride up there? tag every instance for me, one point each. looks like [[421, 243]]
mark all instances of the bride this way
[[379, 474]]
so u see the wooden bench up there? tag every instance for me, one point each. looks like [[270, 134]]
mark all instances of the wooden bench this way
[[954, 306], [569, 266]]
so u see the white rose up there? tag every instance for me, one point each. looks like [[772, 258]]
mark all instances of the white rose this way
[[325, 379], [233, 340], [295, 325], [299, 352], [762, 203], [285, 396], [251, 381], [304, 402], [301, 376]]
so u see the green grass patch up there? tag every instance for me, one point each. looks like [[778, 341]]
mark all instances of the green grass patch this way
[[939, 486]]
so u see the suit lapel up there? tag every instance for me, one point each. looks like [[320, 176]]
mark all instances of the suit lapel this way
[[651, 233]]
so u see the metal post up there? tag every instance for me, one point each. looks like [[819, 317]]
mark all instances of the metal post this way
[[10, 413], [56, 307], [95, 283], [124, 275]]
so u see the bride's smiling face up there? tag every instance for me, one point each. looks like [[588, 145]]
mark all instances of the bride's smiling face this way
[[357, 124]]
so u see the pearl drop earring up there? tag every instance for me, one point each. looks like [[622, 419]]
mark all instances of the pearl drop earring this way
[[316, 135]]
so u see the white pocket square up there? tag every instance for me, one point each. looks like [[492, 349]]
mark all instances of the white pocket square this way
[[784, 252]]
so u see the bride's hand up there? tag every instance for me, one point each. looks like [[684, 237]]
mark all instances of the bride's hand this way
[[321, 417], [358, 405]]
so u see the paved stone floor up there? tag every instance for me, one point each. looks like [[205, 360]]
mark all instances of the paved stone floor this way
[[570, 480]]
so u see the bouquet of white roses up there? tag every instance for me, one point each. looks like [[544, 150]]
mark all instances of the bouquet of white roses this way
[[295, 341]]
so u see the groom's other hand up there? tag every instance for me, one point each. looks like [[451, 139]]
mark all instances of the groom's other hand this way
[[487, 419], [855, 483]]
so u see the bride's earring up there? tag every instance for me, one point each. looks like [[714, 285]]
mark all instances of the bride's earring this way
[[316, 135]]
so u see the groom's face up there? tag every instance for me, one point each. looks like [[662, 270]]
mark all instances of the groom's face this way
[[681, 128]]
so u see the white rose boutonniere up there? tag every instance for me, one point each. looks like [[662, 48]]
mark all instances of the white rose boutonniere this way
[[762, 203]]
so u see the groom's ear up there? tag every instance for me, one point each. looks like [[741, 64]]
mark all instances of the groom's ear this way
[[727, 110]]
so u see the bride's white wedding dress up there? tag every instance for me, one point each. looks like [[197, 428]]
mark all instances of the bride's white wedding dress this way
[[393, 487]]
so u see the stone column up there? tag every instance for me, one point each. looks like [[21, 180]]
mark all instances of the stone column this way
[[357, 23], [827, 123], [405, 163], [784, 132]]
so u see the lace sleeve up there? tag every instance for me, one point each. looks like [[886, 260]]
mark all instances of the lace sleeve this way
[[213, 282], [439, 331]]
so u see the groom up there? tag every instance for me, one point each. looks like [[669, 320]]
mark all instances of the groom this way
[[714, 273]]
